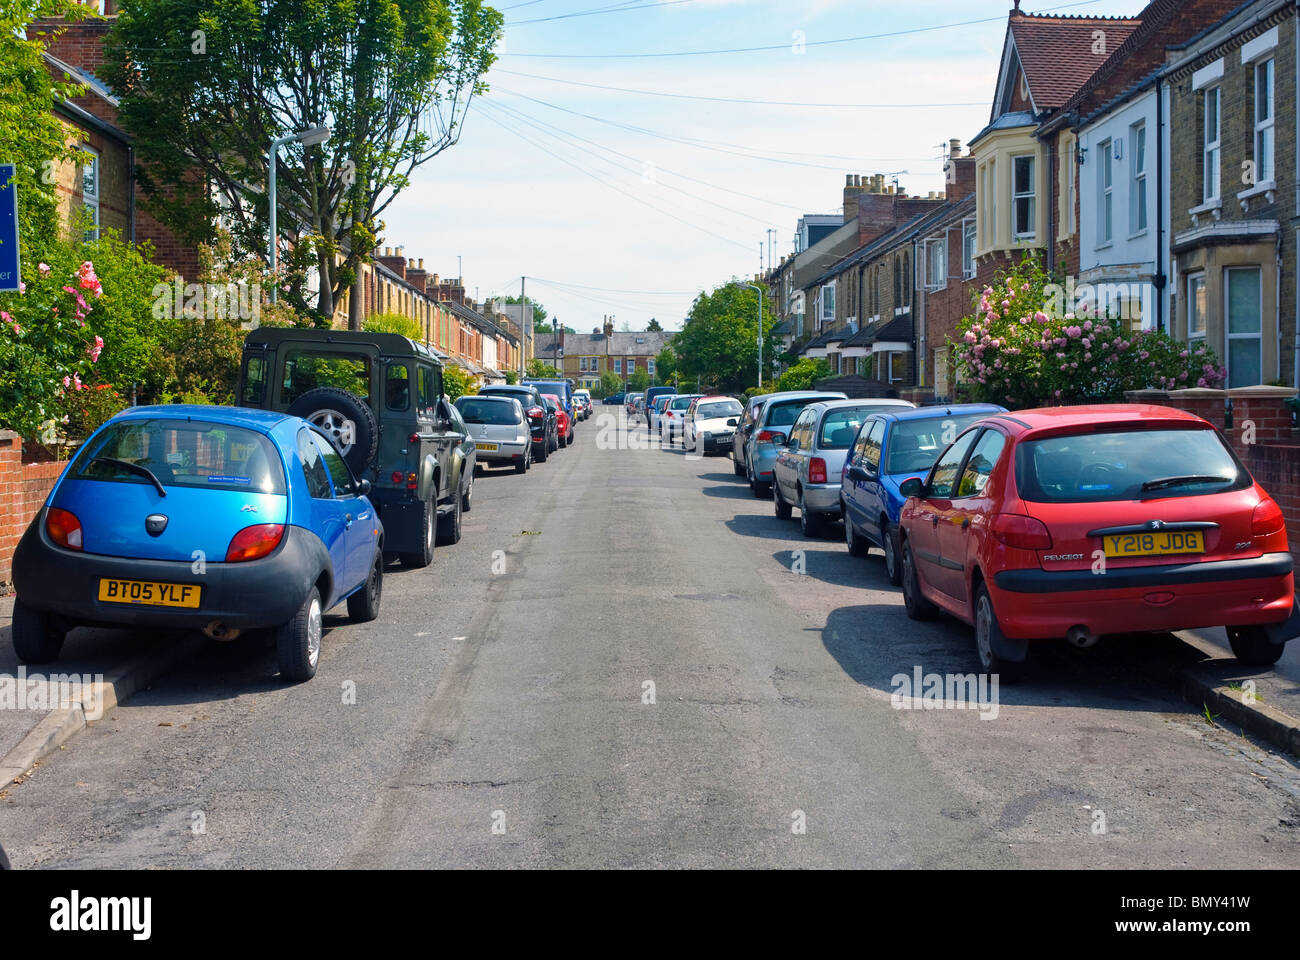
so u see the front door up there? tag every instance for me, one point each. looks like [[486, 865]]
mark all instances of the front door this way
[[971, 509]]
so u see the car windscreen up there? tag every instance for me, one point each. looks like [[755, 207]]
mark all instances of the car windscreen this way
[[308, 369], [717, 409], [1126, 464], [680, 403], [840, 426], [497, 412], [914, 445], [182, 453], [782, 413]]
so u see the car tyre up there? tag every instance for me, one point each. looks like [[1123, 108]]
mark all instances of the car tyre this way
[[889, 543], [988, 634], [1250, 645], [760, 490], [782, 508], [327, 407], [297, 643], [523, 465], [545, 451], [812, 524], [428, 518], [467, 498], [858, 546], [37, 636], [918, 607], [363, 606], [449, 524], [737, 467]]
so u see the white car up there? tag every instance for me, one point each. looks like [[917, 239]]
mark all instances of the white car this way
[[585, 397], [499, 429], [711, 424]]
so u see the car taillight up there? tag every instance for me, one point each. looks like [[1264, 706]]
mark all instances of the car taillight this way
[[397, 476], [63, 528], [254, 542], [816, 470], [765, 436], [1025, 533], [1268, 521], [535, 412]]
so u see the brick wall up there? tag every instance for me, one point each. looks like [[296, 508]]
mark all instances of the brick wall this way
[[23, 488]]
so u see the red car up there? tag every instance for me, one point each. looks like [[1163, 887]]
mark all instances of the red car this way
[[562, 420], [1081, 521]]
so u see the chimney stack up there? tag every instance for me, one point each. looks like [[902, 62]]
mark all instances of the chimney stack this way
[[609, 327], [954, 148]]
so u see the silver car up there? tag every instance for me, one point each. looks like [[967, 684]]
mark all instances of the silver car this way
[[769, 430], [808, 468], [499, 429]]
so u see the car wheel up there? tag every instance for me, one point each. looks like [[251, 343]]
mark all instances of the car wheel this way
[[778, 501], [988, 634], [297, 643], [37, 637], [466, 500], [522, 465], [889, 542], [428, 518], [760, 490], [737, 468], [568, 441], [346, 418], [812, 524], [1250, 645], [363, 606], [858, 546], [918, 608], [449, 524], [545, 450]]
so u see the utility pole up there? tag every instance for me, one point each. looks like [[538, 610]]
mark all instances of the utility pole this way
[[523, 327]]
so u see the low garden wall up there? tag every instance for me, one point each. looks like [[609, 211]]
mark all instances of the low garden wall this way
[[24, 484]]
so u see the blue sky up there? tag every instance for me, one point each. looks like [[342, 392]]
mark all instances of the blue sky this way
[[616, 202]]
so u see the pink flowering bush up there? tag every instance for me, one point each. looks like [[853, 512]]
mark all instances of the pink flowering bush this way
[[1014, 349], [47, 349]]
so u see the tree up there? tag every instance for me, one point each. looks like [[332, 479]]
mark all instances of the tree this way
[[456, 382], [804, 374], [512, 376], [638, 381], [666, 364], [610, 383], [395, 323], [653, 326], [537, 369], [393, 81], [539, 311], [718, 343]]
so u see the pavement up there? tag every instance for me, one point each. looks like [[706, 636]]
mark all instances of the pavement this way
[[628, 661]]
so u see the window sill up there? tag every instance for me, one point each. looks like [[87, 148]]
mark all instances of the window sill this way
[[1213, 207], [1141, 233], [1264, 186]]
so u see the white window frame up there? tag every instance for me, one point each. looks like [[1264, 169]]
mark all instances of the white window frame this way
[[1137, 197], [618, 366], [968, 242], [1211, 157], [1105, 195], [934, 276], [825, 315], [91, 197], [1030, 196], [1265, 159], [1229, 336], [1194, 281], [650, 366]]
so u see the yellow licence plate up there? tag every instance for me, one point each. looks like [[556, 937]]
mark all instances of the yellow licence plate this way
[[149, 592], [1154, 544], [485, 446]]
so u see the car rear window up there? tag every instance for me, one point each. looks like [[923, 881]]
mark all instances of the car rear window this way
[[183, 453], [839, 427], [499, 412], [914, 445], [1126, 465], [783, 412], [719, 408], [308, 369]]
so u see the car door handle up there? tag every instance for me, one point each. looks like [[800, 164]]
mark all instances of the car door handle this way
[[348, 517], [965, 524]]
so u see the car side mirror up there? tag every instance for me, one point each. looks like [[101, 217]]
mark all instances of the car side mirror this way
[[860, 474], [732, 422], [363, 488], [912, 487]]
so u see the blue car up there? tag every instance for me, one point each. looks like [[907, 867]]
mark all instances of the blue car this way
[[220, 519], [889, 448]]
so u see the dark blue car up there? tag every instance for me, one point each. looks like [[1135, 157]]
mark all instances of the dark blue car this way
[[215, 518], [889, 448]]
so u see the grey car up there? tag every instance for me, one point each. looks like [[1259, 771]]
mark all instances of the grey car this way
[[769, 430], [752, 406], [499, 429], [807, 470]]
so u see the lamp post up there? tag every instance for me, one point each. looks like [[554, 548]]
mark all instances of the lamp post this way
[[555, 343], [759, 290], [308, 138]]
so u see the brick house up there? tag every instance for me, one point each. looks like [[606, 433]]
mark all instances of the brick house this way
[[583, 357], [1233, 192]]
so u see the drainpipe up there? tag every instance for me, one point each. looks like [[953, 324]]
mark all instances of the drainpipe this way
[[130, 194], [1159, 280], [1052, 202]]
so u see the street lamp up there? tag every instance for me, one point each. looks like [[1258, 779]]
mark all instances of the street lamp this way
[[308, 138], [555, 343], [759, 291]]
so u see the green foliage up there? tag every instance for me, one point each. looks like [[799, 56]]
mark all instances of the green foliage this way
[[666, 364], [1025, 347], [803, 374], [654, 326], [512, 376], [457, 381], [638, 381], [539, 311], [718, 344], [393, 80], [610, 384], [537, 369], [395, 323]]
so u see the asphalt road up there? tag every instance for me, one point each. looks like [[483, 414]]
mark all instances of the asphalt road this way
[[501, 717]]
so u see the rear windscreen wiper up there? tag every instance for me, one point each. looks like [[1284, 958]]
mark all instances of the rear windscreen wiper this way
[[134, 468], [1179, 481]]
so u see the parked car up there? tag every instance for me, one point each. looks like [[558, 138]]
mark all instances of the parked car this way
[[890, 447], [1082, 521], [555, 411], [220, 519], [500, 430], [582, 401], [769, 429], [743, 431], [672, 422], [561, 389], [630, 403], [379, 398], [543, 427], [613, 400], [651, 395], [711, 423], [654, 412], [563, 422], [806, 473]]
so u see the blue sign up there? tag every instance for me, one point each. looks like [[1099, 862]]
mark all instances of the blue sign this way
[[9, 274]]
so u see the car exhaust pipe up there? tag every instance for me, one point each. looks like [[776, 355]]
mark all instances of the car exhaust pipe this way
[[216, 630], [1081, 638]]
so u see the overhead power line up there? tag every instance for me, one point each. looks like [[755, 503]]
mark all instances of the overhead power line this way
[[625, 7]]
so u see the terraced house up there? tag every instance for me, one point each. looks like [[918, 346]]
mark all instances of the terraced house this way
[[583, 357]]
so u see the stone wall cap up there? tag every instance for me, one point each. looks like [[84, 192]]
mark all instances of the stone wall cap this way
[[8, 435], [1199, 393], [1262, 390]]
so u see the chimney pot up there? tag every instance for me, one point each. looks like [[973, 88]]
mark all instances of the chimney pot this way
[[848, 179], [388, 251], [954, 148], [422, 263]]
